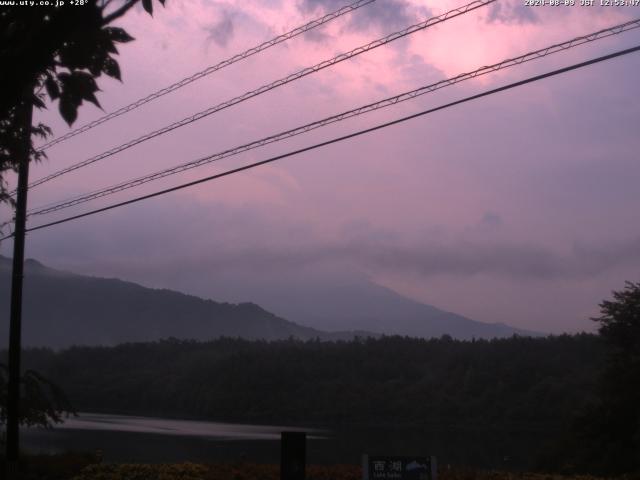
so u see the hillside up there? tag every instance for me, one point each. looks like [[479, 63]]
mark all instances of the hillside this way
[[62, 309], [340, 298], [363, 305]]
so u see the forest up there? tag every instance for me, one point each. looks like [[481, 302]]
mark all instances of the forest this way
[[574, 397], [393, 380], [530, 391]]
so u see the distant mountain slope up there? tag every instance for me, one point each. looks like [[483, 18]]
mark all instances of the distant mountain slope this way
[[62, 309], [367, 306], [341, 299]]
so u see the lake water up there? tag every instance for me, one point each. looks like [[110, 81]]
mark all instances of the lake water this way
[[183, 428], [124, 438]]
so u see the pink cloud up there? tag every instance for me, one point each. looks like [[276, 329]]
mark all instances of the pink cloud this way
[[535, 156]]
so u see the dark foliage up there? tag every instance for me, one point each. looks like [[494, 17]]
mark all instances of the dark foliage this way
[[60, 51], [619, 409], [605, 439], [528, 390], [516, 382], [63, 466], [612, 429], [42, 402]]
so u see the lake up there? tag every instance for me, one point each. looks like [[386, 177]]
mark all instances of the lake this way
[[124, 438]]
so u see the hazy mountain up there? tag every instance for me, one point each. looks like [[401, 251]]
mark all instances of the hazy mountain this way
[[62, 309], [337, 298]]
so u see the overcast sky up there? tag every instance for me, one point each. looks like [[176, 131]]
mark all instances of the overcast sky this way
[[521, 207]]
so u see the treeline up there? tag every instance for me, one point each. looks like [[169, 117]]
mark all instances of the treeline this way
[[522, 383]]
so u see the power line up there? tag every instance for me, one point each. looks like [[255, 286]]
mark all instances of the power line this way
[[209, 70], [338, 139], [617, 29], [278, 83]]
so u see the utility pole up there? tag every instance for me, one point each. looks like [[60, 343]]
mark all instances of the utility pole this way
[[24, 115]]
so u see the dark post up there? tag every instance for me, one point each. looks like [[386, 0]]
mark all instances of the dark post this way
[[293, 451], [24, 113]]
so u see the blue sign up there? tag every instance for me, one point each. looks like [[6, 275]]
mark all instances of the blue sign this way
[[398, 468]]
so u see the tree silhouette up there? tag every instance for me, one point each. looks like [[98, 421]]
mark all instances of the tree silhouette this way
[[59, 52], [43, 403], [618, 416]]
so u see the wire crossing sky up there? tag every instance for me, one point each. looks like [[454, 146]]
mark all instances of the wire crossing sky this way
[[537, 54], [523, 201], [339, 139], [273, 85], [214, 68]]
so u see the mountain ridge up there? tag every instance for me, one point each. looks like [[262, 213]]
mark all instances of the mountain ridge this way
[[84, 310], [62, 309]]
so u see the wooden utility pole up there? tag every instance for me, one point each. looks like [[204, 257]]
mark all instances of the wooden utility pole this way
[[24, 115]]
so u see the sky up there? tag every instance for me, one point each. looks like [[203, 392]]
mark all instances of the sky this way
[[520, 207]]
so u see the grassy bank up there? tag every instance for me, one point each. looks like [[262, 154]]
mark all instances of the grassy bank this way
[[86, 467], [191, 471]]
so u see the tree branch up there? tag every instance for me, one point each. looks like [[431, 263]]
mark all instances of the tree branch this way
[[119, 12]]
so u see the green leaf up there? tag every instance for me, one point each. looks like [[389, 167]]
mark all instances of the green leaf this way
[[75, 55], [82, 84], [76, 87], [41, 130], [111, 68], [37, 102], [90, 97], [52, 87], [118, 35], [68, 110], [148, 6], [96, 64], [93, 99], [109, 46]]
